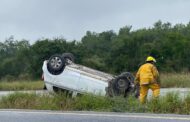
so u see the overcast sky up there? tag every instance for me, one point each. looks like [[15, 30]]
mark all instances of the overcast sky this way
[[35, 19]]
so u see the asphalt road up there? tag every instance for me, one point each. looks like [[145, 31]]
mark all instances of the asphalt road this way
[[52, 116]]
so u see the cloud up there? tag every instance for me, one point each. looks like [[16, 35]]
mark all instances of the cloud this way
[[33, 19]]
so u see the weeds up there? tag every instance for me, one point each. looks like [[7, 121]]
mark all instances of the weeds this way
[[171, 103], [180, 80], [22, 85]]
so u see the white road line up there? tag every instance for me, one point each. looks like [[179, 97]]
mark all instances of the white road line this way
[[101, 115]]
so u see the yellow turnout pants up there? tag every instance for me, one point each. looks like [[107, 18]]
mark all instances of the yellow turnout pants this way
[[144, 91]]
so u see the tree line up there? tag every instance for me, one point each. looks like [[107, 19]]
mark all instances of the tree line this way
[[106, 51]]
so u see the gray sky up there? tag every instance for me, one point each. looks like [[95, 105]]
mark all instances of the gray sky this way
[[35, 19]]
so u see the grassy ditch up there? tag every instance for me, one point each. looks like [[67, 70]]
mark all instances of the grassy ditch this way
[[180, 80], [171, 103], [21, 85]]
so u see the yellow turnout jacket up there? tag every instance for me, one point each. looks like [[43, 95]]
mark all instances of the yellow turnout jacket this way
[[147, 74]]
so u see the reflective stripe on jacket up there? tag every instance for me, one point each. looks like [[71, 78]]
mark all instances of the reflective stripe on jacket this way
[[147, 73]]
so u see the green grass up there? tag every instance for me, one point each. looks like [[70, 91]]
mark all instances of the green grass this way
[[21, 85], [169, 80], [171, 103]]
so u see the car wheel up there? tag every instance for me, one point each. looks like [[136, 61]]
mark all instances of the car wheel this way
[[69, 57], [130, 77], [56, 64], [121, 85]]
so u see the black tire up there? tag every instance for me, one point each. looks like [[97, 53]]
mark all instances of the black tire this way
[[56, 64], [121, 85], [129, 76], [69, 57]]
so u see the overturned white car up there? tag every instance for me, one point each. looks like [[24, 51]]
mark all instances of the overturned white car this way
[[62, 74]]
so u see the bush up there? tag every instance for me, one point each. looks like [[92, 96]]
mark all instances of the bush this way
[[24, 76], [8, 78]]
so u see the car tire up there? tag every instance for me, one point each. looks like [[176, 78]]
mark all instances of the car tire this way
[[129, 76], [121, 85], [69, 57], [56, 64]]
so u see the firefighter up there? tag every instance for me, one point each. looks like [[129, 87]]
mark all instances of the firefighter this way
[[148, 78]]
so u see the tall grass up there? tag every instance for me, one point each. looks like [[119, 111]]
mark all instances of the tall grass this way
[[21, 85], [169, 80], [171, 103]]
